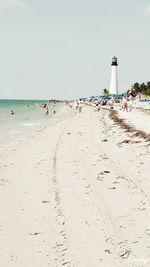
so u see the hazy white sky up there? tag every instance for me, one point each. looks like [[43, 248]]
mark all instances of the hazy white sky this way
[[63, 48]]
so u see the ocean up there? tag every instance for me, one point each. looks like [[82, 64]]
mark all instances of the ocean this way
[[29, 116]]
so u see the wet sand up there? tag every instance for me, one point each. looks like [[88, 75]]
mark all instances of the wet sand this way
[[76, 194]]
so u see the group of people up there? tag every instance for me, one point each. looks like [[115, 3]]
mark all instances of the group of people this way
[[77, 106], [125, 103], [129, 102], [45, 106]]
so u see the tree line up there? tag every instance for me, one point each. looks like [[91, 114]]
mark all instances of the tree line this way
[[136, 88], [142, 88]]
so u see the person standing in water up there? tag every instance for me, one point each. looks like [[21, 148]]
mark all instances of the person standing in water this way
[[54, 108], [12, 112], [47, 110]]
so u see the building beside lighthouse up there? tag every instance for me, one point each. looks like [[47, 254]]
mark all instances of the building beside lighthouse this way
[[114, 81]]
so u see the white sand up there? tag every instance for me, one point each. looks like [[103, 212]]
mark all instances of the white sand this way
[[75, 195], [138, 119]]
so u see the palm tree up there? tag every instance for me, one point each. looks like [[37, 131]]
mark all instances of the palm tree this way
[[135, 88], [143, 88], [105, 92]]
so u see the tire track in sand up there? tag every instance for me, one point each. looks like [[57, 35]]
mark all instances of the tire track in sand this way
[[117, 245], [62, 255]]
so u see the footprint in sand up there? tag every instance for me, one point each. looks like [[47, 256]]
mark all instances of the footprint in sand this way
[[105, 158], [106, 171], [100, 178], [107, 251], [115, 182], [36, 233], [88, 186], [105, 140], [112, 187]]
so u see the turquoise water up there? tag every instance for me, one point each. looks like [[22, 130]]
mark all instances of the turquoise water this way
[[23, 109], [29, 117]]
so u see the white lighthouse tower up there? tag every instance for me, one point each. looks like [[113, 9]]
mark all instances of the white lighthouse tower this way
[[114, 82]]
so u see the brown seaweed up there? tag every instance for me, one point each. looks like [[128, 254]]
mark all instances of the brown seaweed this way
[[113, 114]]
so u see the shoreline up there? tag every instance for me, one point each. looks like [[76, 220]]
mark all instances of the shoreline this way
[[18, 128]]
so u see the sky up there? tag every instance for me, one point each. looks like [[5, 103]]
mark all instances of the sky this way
[[63, 48]]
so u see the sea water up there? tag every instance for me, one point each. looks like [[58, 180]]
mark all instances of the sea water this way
[[29, 116]]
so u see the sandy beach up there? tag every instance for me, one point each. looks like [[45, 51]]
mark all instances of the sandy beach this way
[[76, 194]]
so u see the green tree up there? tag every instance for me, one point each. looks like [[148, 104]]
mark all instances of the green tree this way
[[143, 88], [105, 92], [135, 88], [147, 92]]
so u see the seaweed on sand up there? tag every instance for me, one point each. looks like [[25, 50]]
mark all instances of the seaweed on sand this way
[[113, 114]]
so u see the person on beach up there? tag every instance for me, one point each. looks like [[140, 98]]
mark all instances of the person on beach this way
[[98, 107], [54, 106], [125, 103], [76, 105], [138, 99], [12, 112], [47, 110], [131, 99], [111, 102], [80, 107]]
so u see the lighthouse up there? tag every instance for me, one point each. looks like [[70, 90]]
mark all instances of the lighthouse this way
[[114, 82]]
